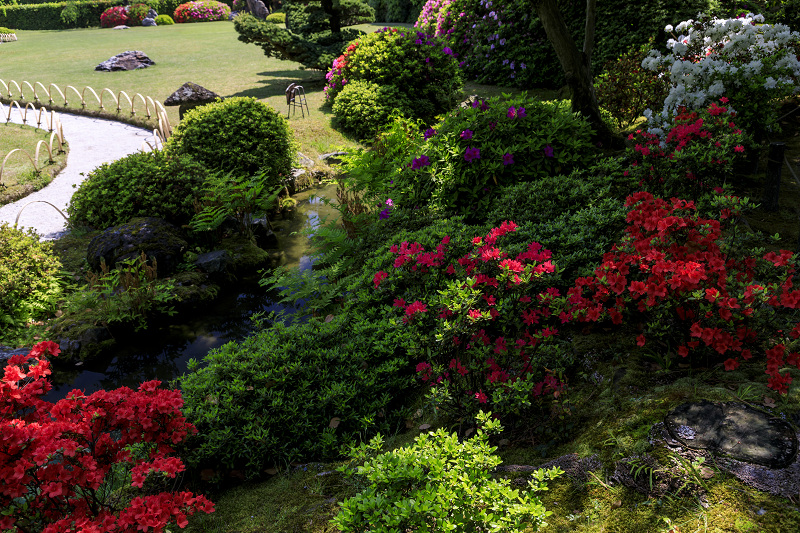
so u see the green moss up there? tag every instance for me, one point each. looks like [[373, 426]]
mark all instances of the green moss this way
[[246, 257]]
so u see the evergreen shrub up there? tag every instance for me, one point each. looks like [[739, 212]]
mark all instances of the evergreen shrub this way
[[364, 107], [276, 18], [137, 13], [238, 135], [49, 16], [164, 20], [293, 393], [141, 184]]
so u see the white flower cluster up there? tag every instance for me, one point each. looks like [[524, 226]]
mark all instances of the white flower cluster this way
[[710, 56]]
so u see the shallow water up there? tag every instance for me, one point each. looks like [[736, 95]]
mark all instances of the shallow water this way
[[164, 352]]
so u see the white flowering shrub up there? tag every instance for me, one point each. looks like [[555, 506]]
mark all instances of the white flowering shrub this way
[[755, 65]]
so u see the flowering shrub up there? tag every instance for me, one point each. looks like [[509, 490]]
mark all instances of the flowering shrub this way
[[202, 11], [420, 68], [477, 150], [755, 65], [114, 16], [694, 154], [137, 13], [673, 269], [364, 107], [61, 463], [486, 327]]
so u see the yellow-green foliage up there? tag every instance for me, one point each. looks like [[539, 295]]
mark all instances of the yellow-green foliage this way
[[28, 276]]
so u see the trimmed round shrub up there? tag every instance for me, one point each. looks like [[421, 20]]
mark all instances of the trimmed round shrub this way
[[239, 135], [28, 276], [202, 11], [114, 16], [422, 69], [364, 107], [137, 13], [141, 184], [276, 18], [7, 31], [479, 149], [164, 20]]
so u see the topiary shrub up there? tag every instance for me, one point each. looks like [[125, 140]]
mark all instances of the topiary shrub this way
[[308, 17], [114, 16], [141, 184], [276, 18], [238, 135], [164, 20], [476, 150], [29, 285], [293, 393], [137, 13], [364, 107], [202, 11], [421, 69]]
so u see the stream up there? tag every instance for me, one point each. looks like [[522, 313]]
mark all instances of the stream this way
[[163, 352]]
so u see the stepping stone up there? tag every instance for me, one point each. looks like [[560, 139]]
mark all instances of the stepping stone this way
[[734, 430]]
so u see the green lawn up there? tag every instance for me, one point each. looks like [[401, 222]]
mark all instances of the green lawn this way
[[18, 176]]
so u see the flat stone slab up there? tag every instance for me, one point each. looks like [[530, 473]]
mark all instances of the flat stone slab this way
[[735, 430]]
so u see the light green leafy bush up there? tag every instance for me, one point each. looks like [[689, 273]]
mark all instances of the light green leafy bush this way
[[238, 135], [364, 107], [423, 70], [29, 286], [164, 20], [441, 484], [141, 184], [276, 18], [293, 392]]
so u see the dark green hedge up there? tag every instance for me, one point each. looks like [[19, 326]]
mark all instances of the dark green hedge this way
[[48, 16]]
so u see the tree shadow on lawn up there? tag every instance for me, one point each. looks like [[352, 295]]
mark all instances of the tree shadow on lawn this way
[[275, 83]]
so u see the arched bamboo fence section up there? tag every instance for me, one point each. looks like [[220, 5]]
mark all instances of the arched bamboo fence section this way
[[106, 100], [7, 37], [53, 125]]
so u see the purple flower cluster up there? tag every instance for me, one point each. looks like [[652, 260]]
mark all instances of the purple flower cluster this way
[[471, 154]]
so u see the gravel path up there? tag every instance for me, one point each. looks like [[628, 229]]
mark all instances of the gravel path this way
[[92, 142]]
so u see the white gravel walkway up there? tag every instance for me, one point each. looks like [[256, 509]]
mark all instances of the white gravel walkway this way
[[92, 142]]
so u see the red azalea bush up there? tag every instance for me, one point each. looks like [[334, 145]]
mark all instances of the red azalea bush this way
[[485, 332], [60, 463], [114, 16], [692, 155], [674, 269], [202, 11]]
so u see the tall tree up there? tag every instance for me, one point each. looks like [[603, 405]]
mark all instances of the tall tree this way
[[577, 65]]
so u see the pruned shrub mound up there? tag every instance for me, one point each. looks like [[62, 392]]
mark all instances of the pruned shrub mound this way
[[238, 135], [138, 185], [29, 284], [421, 69], [164, 20], [477, 150], [114, 16], [293, 393], [137, 13], [276, 18], [202, 11], [364, 107], [308, 17]]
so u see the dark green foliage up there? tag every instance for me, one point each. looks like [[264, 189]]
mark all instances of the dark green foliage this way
[[518, 139], [238, 135], [48, 16], [364, 107], [28, 277], [274, 397], [316, 51], [141, 184], [308, 18], [397, 10], [626, 89], [578, 217], [620, 26]]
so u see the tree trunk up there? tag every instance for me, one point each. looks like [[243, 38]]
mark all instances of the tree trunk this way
[[334, 13], [577, 66]]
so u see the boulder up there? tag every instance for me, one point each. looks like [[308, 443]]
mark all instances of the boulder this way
[[215, 262], [264, 236], [130, 60], [156, 238], [735, 430], [190, 95], [147, 21], [152, 14]]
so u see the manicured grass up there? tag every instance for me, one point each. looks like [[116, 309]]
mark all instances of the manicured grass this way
[[208, 54], [18, 177]]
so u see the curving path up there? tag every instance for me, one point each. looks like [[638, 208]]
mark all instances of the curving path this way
[[92, 142]]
